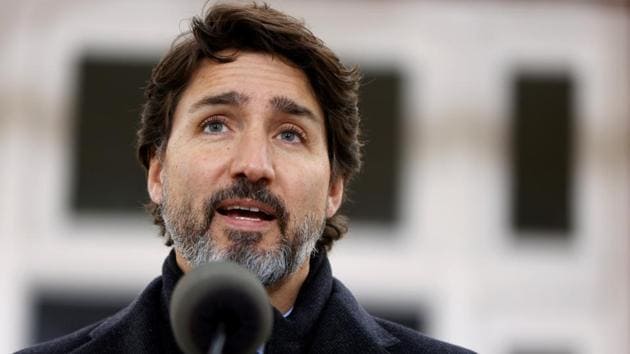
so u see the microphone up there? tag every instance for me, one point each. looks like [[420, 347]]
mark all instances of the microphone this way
[[220, 307]]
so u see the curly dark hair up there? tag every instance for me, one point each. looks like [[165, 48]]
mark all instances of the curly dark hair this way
[[261, 29]]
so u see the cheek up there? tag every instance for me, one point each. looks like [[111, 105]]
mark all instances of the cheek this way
[[198, 172], [310, 189]]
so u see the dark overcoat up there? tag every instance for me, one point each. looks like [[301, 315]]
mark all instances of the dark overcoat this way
[[326, 318]]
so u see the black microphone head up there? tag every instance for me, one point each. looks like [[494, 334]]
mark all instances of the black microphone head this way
[[220, 294]]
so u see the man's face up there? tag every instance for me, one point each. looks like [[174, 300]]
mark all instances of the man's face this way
[[245, 175]]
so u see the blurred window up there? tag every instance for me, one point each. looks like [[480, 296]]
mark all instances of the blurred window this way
[[373, 195], [542, 153], [57, 315], [542, 350], [107, 176], [406, 316]]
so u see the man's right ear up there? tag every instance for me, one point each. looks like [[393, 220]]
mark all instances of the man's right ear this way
[[154, 179]]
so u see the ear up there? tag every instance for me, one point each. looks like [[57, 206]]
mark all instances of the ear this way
[[335, 196], [154, 180]]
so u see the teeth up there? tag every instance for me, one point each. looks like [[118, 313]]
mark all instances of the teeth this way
[[238, 207], [246, 218]]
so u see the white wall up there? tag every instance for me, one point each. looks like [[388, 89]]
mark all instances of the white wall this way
[[453, 249]]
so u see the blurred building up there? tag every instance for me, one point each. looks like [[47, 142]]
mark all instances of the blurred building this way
[[492, 211]]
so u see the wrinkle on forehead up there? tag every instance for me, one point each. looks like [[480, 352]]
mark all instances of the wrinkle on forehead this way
[[251, 66]]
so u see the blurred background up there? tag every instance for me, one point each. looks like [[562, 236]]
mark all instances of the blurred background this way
[[492, 211]]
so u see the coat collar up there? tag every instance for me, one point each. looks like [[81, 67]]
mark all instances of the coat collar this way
[[326, 318]]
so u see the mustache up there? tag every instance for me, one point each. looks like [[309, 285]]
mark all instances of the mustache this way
[[242, 188]]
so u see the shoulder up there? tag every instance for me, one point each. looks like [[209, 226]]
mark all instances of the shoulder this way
[[111, 332], [391, 336], [411, 341], [65, 344]]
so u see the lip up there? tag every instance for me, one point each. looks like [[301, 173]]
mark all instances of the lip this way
[[249, 203], [244, 223]]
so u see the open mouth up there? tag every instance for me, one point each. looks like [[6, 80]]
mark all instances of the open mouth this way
[[247, 211]]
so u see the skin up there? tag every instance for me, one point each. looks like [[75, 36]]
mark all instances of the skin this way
[[247, 129]]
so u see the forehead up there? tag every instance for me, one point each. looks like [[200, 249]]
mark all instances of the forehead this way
[[254, 75]]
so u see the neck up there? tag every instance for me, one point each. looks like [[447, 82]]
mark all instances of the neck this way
[[282, 295]]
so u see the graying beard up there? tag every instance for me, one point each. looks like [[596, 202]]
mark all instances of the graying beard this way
[[270, 266]]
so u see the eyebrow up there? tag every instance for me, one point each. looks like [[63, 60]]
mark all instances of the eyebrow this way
[[286, 105], [231, 98]]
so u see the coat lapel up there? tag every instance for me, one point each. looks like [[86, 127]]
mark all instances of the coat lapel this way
[[327, 319], [345, 327]]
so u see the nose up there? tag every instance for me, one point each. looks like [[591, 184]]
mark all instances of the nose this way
[[252, 159]]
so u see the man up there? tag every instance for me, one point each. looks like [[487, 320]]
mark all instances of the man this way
[[249, 135]]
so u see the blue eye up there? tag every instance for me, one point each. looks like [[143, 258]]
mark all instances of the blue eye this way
[[290, 136], [214, 127]]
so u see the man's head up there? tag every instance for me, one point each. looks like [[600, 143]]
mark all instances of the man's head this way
[[249, 136]]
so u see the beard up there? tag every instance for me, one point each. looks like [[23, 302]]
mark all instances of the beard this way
[[194, 241]]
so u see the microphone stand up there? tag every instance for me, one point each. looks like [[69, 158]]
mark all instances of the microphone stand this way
[[216, 347]]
